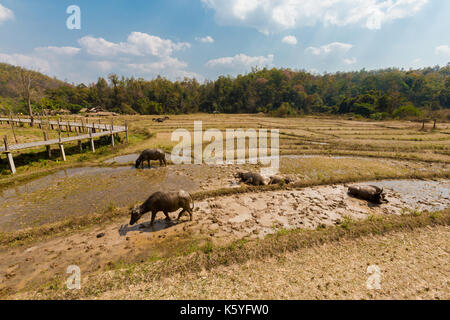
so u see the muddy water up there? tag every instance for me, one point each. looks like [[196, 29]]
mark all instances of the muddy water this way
[[417, 194], [130, 158], [83, 191]]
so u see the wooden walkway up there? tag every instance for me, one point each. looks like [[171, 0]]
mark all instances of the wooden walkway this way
[[94, 130]]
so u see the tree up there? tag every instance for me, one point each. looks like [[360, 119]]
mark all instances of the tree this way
[[26, 83]]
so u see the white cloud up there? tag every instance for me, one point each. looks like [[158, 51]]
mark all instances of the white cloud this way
[[102, 65], [207, 39], [290, 40], [141, 55], [443, 51], [25, 61], [241, 61], [350, 61], [65, 51], [270, 16], [335, 47], [173, 63], [137, 44], [5, 14]]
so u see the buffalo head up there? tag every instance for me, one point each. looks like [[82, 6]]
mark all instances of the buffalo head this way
[[136, 214]]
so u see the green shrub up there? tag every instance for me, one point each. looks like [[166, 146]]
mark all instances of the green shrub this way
[[407, 111]]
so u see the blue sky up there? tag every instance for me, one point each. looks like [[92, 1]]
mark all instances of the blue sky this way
[[208, 38]]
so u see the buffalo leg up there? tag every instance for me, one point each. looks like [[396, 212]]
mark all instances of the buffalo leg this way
[[181, 213], [153, 218], [167, 216], [149, 163]]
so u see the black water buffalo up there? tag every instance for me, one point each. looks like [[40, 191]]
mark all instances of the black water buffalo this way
[[160, 119], [250, 178], [279, 180], [151, 154], [165, 202], [367, 192]]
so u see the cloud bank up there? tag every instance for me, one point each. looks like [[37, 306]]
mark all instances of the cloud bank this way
[[141, 55], [271, 16]]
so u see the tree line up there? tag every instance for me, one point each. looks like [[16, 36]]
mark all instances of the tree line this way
[[280, 92]]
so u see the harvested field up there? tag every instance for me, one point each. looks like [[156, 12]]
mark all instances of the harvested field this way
[[52, 212]]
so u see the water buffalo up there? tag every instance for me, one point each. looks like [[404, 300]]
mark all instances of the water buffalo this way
[[371, 193], [151, 154], [165, 202], [279, 180], [160, 119], [250, 178]]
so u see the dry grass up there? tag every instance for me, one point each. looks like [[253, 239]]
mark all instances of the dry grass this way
[[331, 244], [412, 266]]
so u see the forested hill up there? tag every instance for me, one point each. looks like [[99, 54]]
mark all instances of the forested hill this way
[[281, 92], [10, 81]]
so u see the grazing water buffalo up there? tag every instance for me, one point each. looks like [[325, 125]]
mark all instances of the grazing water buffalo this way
[[165, 202], [250, 178], [371, 193], [279, 180], [151, 154], [160, 119]]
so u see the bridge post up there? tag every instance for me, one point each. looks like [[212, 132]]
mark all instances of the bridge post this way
[[9, 156], [126, 131], [49, 150], [92, 141], [61, 146], [40, 122], [111, 130], [11, 122]]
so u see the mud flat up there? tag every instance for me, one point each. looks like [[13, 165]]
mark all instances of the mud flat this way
[[222, 219], [258, 214], [83, 191]]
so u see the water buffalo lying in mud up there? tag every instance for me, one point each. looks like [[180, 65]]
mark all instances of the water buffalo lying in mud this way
[[165, 202], [279, 180], [250, 178], [371, 193], [151, 154]]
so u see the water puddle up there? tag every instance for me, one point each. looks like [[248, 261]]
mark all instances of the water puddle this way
[[131, 158], [81, 191]]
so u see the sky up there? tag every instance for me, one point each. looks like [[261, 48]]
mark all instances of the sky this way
[[208, 38]]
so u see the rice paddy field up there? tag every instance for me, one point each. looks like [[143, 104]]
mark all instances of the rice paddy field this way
[[317, 240]]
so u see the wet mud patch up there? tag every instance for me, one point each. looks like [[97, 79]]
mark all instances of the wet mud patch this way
[[221, 220], [255, 215]]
